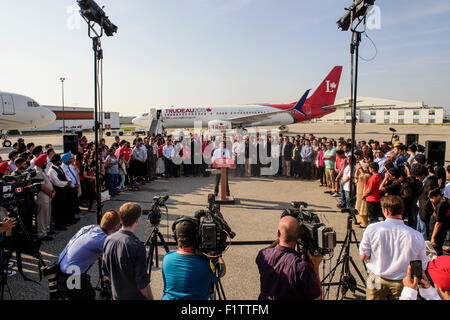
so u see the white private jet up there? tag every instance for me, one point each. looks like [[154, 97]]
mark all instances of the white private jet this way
[[21, 112]]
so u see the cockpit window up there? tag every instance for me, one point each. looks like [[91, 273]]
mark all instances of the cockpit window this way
[[145, 114], [32, 104]]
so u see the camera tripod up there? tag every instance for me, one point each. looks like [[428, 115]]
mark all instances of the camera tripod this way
[[346, 280], [8, 251], [152, 241]]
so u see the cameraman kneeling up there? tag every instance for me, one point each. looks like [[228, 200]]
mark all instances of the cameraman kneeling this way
[[283, 274], [187, 275], [80, 253]]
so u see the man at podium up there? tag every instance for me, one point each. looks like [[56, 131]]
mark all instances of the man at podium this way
[[221, 153]]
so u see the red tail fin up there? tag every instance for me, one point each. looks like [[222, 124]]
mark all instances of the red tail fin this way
[[326, 92]]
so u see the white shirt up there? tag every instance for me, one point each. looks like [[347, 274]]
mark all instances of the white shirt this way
[[53, 176], [391, 245], [427, 294], [282, 148], [220, 153], [238, 148], [346, 175]]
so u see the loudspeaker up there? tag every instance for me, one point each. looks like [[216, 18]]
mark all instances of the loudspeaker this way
[[70, 143], [412, 138], [435, 152], [79, 133]]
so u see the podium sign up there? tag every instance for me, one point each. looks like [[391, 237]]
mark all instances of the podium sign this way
[[223, 164]]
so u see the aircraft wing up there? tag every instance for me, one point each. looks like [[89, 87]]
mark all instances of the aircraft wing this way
[[263, 116]]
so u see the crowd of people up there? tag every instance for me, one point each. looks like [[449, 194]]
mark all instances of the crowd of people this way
[[391, 181]]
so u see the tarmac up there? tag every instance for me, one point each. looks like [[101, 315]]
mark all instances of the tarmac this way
[[254, 218]]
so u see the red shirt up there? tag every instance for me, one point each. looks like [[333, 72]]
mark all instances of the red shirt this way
[[374, 184], [127, 153]]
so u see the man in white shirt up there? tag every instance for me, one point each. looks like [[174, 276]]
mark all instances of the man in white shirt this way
[[238, 150], [388, 247], [221, 153], [167, 155]]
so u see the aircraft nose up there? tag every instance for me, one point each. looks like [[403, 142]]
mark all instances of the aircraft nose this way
[[135, 120], [48, 116]]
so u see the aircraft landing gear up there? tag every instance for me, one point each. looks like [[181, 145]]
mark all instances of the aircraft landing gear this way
[[282, 128], [6, 143]]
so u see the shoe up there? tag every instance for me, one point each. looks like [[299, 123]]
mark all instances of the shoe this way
[[327, 192], [336, 195], [340, 206], [10, 265], [11, 273], [46, 238]]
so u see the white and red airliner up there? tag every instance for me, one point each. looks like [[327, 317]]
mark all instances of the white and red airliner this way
[[225, 117]]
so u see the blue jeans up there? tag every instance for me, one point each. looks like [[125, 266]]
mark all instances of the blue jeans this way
[[122, 181], [343, 198], [112, 183], [422, 227]]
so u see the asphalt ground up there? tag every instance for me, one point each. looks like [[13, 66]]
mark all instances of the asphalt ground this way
[[255, 217]]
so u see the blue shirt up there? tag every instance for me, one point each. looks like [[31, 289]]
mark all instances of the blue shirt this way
[[82, 250], [381, 162], [186, 277]]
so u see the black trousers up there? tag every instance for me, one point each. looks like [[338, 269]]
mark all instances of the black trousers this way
[[307, 170], [218, 177], [322, 175], [168, 167], [374, 211], [84, 292]]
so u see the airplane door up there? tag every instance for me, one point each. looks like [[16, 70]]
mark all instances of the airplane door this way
[[152, 114], [8, 104]]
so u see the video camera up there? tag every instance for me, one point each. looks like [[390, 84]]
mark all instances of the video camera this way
[[17, 188], [213, 230], [154, 214], [314, 236]]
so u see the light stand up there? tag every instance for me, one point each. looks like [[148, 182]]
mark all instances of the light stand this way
[[357, 11], [98, 56]]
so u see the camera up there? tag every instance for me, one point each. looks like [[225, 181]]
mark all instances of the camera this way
[[17, 188], [314, 236], [154, 214], [213, 230]]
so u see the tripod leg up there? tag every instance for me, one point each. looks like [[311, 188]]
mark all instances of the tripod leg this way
[[163, 242], [357, 271], [155, 239], [150, 258]]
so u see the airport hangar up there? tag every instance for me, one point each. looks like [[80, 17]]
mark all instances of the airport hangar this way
[[385, 111], [78, 118]]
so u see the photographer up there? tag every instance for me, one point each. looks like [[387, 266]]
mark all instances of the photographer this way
[[283, 274], [80, 253], [439, 271], [186, 273], [124, 258]]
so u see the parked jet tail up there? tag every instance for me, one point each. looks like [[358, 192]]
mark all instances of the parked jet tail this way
[[325, 94]]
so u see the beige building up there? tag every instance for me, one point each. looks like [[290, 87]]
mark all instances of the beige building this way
[[375, 110]]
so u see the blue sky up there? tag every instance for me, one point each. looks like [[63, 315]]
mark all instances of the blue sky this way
[[172, 52]]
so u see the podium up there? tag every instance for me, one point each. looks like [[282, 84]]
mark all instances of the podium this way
[[224, 164]]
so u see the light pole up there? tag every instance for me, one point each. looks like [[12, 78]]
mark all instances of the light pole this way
[[62, 89]]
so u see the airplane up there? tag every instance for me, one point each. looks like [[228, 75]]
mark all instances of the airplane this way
[[220, 118], [21, 112]]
